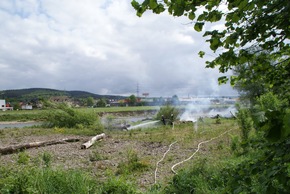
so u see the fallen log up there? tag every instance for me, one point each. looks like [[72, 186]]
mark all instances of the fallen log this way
[[92, 141], [20, 147]]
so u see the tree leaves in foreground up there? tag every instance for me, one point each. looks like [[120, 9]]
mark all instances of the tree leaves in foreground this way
[[247, 24], [255, 42]]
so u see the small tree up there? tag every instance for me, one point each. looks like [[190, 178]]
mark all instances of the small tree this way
[[65, 116], [170, 113], [175, 100], [245, 122], [101, 102], [90, 101], [132, 100]]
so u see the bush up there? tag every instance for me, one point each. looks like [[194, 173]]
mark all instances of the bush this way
[[167, 111], [23, 158], [245, 122], [117, 186], [71, 118], [133, 164], [38, 180], [200, 178]]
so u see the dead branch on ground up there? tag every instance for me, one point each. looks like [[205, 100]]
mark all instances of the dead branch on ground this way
[[20, 147]]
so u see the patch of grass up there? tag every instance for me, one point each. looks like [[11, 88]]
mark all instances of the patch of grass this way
[[132, 164], [96, 156], [47, 180], [46, 158], [36, 115], [23, 158], [116, 185]]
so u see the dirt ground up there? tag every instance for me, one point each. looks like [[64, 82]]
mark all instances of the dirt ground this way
[[107, 154], [112, 151]]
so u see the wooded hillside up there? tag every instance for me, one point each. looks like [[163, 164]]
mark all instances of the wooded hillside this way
[[38, 93]]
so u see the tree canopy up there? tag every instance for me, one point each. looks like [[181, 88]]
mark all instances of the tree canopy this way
[[247, 24], [255, 44]]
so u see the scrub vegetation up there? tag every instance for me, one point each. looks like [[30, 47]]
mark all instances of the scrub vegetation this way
[[248, 154], [125, 161]]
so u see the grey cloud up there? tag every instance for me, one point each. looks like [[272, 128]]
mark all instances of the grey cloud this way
[[102, 47]]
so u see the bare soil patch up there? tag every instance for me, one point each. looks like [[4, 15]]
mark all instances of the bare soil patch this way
[[108, 153]]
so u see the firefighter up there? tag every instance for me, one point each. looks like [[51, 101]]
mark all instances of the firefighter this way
[[163, 120]]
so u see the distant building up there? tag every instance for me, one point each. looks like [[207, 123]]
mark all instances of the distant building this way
[[5, 106], [2, 104], [26, 107]]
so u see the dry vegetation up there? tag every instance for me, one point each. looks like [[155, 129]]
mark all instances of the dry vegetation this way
[[112, 156]]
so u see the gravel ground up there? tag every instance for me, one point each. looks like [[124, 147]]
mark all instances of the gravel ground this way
[[105, 155], [111, 150]]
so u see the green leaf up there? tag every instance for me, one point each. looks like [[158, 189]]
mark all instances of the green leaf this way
[[233, 79], [153, 4], [235, 18], [243, 59], [214, 16], [286, 124], [201, 54], [159, 9], [202, 16], [178, 9], [223, 79], [191, 16], [214, 43], [243, 4], [135, 4], [198, 26]]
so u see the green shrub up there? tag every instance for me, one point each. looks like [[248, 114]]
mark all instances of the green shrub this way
[[200, 178], [72, 118], [23, 158], [132, 164], [167, 111], [245, 122], [117, 186], [38, 180], [46, 158], [96, 156], [235, 143], [265, 172]]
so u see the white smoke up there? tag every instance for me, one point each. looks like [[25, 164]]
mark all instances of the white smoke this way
[[202, 107]]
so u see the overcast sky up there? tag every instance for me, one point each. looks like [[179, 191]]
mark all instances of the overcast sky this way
[[101, 46]]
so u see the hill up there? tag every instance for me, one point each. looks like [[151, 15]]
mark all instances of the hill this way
[[37, 93]]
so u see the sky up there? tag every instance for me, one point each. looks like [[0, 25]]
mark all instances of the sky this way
[[101, 46]]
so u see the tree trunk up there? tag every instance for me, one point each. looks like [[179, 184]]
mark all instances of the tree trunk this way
[[15, 148], [92, 141]]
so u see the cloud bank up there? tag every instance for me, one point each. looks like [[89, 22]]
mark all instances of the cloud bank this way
[[102, 47]]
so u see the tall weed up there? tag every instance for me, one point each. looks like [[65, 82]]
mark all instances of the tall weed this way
[[47, 180]]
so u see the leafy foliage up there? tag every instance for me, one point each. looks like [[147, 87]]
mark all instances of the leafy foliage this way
[[267, 173], [132, 164], [47, 180], [116, 186], [132, 100], [90, 101], [101, 102], [167, 111], [272, 116], [68, 117], [245, 122], [255, 43], [262, 74], [199, 178], [258, 23]]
